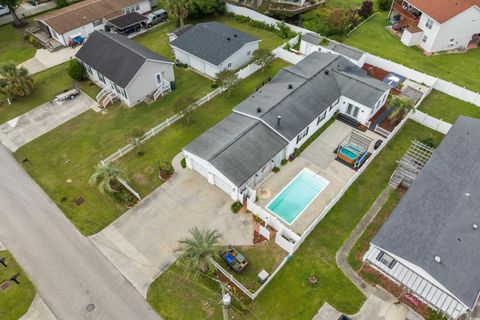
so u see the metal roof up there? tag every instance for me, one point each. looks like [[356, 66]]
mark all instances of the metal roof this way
[[127, 20]]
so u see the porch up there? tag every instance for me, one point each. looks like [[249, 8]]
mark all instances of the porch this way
[[403, 15], [44, 39]]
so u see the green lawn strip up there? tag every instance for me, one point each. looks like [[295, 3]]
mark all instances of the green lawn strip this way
[[344, 4], [442, 106], [47, 85], [289, 296], [460, 68], [143, 170], [13, 48], [266, 256], [157, 39], [72, 150], [15, 301]]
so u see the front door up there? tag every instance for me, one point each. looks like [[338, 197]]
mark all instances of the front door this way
[[352, 110]]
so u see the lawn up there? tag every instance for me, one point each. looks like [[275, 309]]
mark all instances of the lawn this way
[[48, 84], [15, 301], [163, 147], [13, 48], [445, 107], [72, 150], [461, 69], [288, 296], [157, 39]]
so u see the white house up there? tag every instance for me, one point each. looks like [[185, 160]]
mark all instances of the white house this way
[[124, 69], [429, 244], [237, 153], [438, 25], [212, 47], [84, 17]]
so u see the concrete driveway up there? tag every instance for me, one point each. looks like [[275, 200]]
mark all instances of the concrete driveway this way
[[45, 59], [142, 242], [34, 123]]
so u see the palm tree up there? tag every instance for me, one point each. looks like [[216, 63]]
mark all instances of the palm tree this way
[[180, 9], [103, 177], [15, 82], [399, 107], [200, 247]]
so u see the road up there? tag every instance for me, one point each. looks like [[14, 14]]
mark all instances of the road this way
[[27, 10], [70, 274]]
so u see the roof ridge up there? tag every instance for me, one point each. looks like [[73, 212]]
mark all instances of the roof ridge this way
[[354, 79], [106, 34], [81, 5]]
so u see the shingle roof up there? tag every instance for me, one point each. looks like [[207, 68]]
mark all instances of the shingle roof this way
[[83, 12], [212, 41], [436, 216], [313, 91], [238, 147], [337, 47], [115, 56], [443, 10]]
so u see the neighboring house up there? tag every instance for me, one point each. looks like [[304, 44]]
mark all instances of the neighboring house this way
[[84, 17], [124, 69], [429, 244], [438, 25], [237, 153], [312, 42], [212, 47]]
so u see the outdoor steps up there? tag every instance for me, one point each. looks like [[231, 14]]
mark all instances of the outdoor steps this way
[[350, 121]]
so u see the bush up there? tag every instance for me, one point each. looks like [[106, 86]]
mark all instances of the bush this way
[[384, 5], [183, 163], [61, 3], [276, 169], [284, 162], [236, 206], [366, 9], [166, 170], [284, 30], [75, 70]]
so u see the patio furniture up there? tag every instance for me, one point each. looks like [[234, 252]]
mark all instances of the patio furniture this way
[[234, 259]]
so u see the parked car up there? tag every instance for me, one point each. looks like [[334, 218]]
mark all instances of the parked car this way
[[156, 17], [4, 10]]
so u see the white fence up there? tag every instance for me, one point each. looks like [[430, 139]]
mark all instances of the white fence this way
[[458, 92], [430, 122]]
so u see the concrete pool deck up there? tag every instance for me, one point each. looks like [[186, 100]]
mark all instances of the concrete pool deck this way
[[320, 158]]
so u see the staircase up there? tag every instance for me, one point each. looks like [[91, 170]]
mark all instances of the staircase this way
[[105, 97], [164, 89], [348, 120]]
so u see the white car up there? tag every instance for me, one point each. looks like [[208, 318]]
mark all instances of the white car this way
[[4, 10]]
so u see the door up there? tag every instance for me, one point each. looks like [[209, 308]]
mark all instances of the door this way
[[199, 168], [352, 110], [222, 184], [197, 64]]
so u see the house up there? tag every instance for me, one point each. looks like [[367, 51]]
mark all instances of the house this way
[[84, 17], [237, 153], [438, 25], [124, 69], [312, 42], [212, 47], [429, 244]]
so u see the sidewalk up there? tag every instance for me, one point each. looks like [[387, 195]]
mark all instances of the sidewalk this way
[[38, 310]]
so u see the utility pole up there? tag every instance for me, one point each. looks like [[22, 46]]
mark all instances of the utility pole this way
[[226, 301]]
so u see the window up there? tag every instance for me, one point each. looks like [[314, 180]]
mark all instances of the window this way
[[425, 38], [229, 65], [352, 110], [124, 93], [159, 78], [386, 260], [249, 52], [89, 70], [101, 77], [302, 135], [137, 7], [131, 9], [429, 23], [320, 118], [97, 23]]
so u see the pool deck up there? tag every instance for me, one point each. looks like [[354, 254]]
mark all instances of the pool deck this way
[[320, 158]]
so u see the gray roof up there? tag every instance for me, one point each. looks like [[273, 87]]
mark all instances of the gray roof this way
[[436, 216], [313, 91], [212, 41], [238, 147], [115, 56], [127, 20], [339, 48]]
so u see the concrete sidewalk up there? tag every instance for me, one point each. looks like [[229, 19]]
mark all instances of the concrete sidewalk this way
[[45, 59], [34, 123], [38, 310]]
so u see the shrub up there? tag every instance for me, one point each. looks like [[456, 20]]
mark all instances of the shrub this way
[[284, 162], [183, 163], [236, 206], [284, 30], [75, 70], [276, 169], [384, 5], [366, 9], [61, 3], [166, 170]]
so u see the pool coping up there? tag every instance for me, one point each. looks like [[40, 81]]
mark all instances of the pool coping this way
[[306, 206]]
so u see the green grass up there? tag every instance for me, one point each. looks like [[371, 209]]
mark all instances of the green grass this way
[[445, 107], [157, 39], [48, 84], [461, 69], [163, 147], [288, 296], [15, 301], [344, 3], [72, 150], [13, 49]]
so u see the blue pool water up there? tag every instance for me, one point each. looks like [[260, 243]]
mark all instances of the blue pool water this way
[[297, 195]]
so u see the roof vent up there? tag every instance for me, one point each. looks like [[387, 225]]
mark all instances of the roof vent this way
[[327, 72], [437, 259], [290, 86], [228, 39], [259, 109], [234, 35], [467, 194], [279, 118], [475, 226]]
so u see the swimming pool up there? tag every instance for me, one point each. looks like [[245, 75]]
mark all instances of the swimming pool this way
[[299, 193]]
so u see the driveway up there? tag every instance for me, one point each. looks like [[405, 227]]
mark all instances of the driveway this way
[[71, 275], [34, 123], [142, 242], [45, 59]]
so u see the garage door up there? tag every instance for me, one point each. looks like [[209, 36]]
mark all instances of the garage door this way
[[197, 64], [200, 169], [222, 184]]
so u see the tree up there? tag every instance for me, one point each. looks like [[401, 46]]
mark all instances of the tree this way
[[206, 7], [103, 177], [366, 9], [198, 248], [263, 58], [180, 9], [227, 79], [384, 5], [337, 22], [75, 70], [15, 82], [12, 5], [399, 107], [61, 3]]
